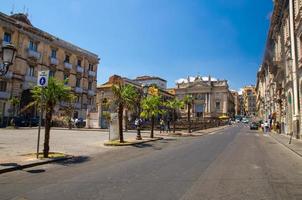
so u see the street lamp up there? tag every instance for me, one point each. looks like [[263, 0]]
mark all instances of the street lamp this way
[[8, 56]]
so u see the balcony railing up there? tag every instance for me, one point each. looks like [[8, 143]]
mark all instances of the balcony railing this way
[[91, 73], [80, 69], [78, 90], [5, 43], [4, 95], [33, 54], [68, 65], [54, 61], [30, 78], [91, 93]]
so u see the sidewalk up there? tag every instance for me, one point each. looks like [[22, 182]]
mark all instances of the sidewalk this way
[[295, 146], [16, 143]]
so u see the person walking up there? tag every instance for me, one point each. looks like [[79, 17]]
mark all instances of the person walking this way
[[266, 127], [162, 125]]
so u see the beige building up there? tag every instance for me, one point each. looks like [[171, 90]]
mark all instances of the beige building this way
[[105, 95], [236, 102], [38, 50], [211, 97], [249, 100], [279, 79]]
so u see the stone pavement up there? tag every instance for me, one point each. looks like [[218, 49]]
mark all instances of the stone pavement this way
[[295, 146], [15, 143]]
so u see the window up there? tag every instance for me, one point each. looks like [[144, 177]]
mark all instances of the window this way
[[31, 71], [3, 86], [78, 82], [67, 58], [89, 85], [52, 73], [79, 62], [54, 53], [66, 79], [78, 99], [90, 101], [218, 105], [90, 67], [7, 37], [33, 46]]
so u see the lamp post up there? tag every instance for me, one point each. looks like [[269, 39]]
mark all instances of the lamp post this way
[[8, 56]]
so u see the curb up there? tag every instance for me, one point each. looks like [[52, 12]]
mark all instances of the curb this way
[[133, 143], [20, 167], [280, 142]]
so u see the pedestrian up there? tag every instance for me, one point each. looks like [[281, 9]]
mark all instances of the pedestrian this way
[[266, 126], [162, 125]]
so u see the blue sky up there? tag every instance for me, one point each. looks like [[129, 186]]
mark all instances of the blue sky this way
[[167, 38]]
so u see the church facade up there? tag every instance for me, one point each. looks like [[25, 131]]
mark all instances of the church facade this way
[[211, 97]]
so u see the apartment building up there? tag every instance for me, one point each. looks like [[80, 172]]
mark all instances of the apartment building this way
[[38, 50]]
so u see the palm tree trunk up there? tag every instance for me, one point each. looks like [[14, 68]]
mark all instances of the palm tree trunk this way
[[152, 127], [189, 118], [48, 118], [120, 122], [174, 112]]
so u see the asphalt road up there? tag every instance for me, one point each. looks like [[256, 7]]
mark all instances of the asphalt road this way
[[232, 164]]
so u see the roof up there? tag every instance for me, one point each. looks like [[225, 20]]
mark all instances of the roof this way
[[144, 78], [191, 79]]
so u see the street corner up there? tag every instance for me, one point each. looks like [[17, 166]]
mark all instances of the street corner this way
[[30, 160]]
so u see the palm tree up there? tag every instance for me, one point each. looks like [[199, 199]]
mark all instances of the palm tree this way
[[69, 109], [188, 100], [47, 98], [151, 109], [174, 104], [124, 97]]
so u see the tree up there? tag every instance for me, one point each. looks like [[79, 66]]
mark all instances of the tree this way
[[124, 97], [188, 100], [47, 98], [69, 109], [174, 105], [151, 109], [14, 101]]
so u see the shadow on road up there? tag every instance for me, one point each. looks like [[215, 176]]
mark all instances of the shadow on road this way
[[35, 171], [9, 164], [74, 160], [144, 145]]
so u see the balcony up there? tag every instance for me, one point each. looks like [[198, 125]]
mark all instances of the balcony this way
[[80, 69], [54, 61], [8, 75], [29, 82], [33, 54], [77, 105], [4, 95], [91, 73], [79, 90], [5, 43], [67, 65], [91, 93], [30, 79]]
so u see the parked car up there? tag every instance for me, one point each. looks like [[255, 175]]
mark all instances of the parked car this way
[[254, 126], [245, 120], [80, 123]]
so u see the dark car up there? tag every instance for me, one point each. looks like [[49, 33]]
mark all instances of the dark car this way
[[254, 126], [19, 121]]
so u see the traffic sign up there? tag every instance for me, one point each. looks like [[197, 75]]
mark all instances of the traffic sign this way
[[43, 78]]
